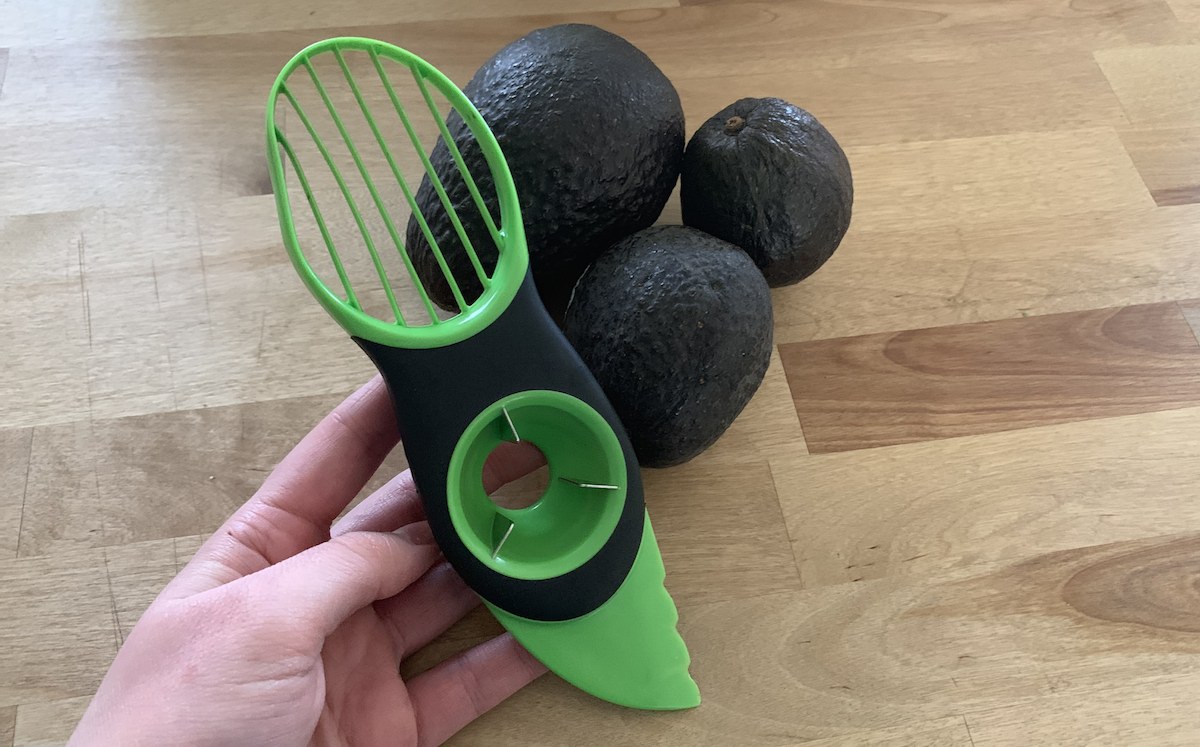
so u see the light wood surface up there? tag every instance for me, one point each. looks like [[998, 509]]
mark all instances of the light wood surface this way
[[961, 510]]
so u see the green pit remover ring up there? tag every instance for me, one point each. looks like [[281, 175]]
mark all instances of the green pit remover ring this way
[[576, 577]]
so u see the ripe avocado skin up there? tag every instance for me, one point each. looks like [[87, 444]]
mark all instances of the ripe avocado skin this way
[[676, 325], [593, 133], [779, 187]]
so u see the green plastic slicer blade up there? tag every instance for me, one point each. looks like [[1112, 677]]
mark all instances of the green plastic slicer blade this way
[[347, 173]]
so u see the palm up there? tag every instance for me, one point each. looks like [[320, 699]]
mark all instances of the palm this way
[[366, 702]]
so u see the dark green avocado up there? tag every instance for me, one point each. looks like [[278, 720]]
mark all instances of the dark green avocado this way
[[676, 326], [593, 134], [767, 176]]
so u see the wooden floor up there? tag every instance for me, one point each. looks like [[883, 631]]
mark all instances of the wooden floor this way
[[964, 509]]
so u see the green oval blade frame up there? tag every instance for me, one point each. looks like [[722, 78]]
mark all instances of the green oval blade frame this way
[[511, 265]]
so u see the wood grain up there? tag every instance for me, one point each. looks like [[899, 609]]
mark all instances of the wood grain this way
[[1186, 10], [15, 448], [61, 497], [1043, 93], [876, 390], [25, 24], [946, 183], [909, 278], [200, 302], [202, 125], [8, 724], [1191, 312], [914, 509], [1158, 714], [112, 482], [57, 627], [48, 724], [1155, 84], [840, 33], [702, 515], [1168, 159], [945, 732], [1013, 162], [884, 654]]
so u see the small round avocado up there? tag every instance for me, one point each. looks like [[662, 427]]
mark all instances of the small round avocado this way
[[676, 326], [593, 134], [767, 176]]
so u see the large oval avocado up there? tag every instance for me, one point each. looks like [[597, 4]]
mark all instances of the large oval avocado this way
[[593, 134], [676, 326], [767, 176]]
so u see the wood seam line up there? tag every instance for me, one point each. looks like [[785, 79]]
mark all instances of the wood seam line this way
[[786, 532], [1188, 322]]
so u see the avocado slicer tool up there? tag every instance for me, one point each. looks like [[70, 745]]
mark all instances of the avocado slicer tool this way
[[577, 576]]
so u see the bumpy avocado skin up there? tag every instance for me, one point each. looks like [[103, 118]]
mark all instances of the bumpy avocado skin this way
[[593, 133], [775, 183], [676, 325]]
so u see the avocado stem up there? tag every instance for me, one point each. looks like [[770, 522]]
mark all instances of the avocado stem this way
[[734, 125]]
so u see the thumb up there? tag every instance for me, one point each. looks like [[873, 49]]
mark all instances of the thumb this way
[[325, 584]]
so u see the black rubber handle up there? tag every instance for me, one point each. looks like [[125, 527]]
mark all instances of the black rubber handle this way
[[437, 392]]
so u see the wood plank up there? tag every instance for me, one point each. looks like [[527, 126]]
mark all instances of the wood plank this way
[[1168, 158], [57, 629], [843, 33], [73, 22], [207, 123], [123, 163], [1155, 84], [1191, 312], [220, 73], [160, 476], [887, 278], [702, 518], [945, 732], [137, 572], [933, 243], [917, 508], [8, 723], [928, 184], [49, 724], [201, 302], [43, 316], [836, 660], [61, 507], [1159, 714], [878, 390], [1186, 10], [991, 97], [16, 446]]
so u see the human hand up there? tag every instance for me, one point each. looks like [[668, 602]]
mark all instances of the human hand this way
[[283, 631]]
